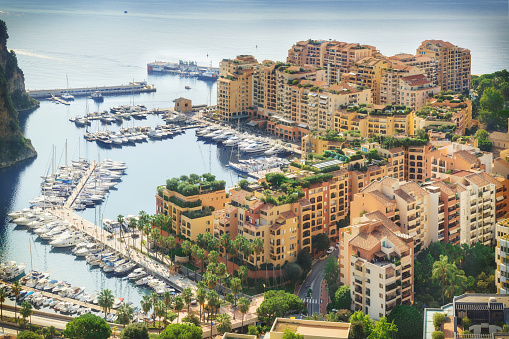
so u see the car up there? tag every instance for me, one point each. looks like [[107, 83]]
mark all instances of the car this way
[[330, 250]]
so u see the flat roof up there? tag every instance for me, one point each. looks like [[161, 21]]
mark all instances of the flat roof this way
[[312, 328], [327, 163]]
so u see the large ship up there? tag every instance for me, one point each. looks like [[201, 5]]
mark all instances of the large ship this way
[[184, 68]]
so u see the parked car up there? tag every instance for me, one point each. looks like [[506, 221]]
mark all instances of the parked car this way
[[330, 250]]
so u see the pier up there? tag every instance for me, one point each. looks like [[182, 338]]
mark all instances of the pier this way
[[131, 88], [79, 187], [59, 100]]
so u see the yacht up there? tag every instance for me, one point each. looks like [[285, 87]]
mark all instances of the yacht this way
[[26, 219], [137, 274], [97, 96], [67, 240], [11, 270], [233, 141], [223, 136]]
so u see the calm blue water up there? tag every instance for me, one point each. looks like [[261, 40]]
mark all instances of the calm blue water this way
[[95, 43]]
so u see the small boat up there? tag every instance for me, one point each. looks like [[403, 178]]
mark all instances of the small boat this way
[[187, 87], [97, 96], [118, 302]]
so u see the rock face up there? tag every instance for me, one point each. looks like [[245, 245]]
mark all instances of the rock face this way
[[14, 146]]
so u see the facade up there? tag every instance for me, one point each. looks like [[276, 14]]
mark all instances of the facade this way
[[376, 261], [368, 72], [455, 157], [414, 90], [183, 105], [191, 215], [453, 64], [477, 207], [235, 87], [502, 257], [443, 213]]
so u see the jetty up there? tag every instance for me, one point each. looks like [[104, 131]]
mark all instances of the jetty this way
[[131, 88], [79, 186], [59, 100]]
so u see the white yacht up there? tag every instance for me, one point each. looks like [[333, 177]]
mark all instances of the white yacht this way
[[67, 240]]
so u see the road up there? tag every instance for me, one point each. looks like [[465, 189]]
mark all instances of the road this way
[[314, 282]]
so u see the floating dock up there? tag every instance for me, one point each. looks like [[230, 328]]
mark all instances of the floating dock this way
[[131, 88]]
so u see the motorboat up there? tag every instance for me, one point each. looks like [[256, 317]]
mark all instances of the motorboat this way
[[67, 241], [26, 219], [11, 270], [124, 269], [50, 285], [138, 273], [223, 136]]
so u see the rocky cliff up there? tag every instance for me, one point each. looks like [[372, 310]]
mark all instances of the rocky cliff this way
[[14, 146]]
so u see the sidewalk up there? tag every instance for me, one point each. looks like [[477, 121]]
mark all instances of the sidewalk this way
[[324, 298]]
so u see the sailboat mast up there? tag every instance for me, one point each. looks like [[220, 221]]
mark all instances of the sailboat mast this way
[[31, 263], [65, 152]]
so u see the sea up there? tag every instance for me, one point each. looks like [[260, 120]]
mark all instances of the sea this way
[[95, 43]]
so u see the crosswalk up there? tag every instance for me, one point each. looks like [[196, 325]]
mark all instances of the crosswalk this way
[[311, 300]]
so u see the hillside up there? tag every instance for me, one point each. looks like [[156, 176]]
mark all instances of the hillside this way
[[14, 146]]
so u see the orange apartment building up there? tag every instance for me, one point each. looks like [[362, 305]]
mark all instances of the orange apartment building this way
[[415, 90], [453, 64], [376, 261], [235, 87], [334, 56], [425, 64]]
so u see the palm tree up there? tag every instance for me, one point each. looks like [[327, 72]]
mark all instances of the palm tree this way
[[25, 311], [257, 246], [225, 243], [233, 253], [3, 295], [105, 300], [146, 305], [213, 303], [243, 273], [213, 255], [178, 305], [201, 255], [186, 247], [171, 243], [187, 294], [167, 297], [146, 230], [133, 224], [120, 220], [456, 282], [201, 240], [194, 252], [154, 234], [160, 312], [201, 293], [244, 304], [224, 323], [441, 271], [236, 288], [16, 289], [211, 280], [125, 314], [221, 271], [140, 225]]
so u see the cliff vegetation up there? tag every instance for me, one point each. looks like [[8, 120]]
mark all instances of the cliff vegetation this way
[[14, 146]]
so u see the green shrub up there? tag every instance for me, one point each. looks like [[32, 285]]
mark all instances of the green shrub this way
[[438, 319], [437, 335], [466, 323]]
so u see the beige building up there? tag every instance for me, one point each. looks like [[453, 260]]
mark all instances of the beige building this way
[[415, 90], [235, 87], [183, 105], [368, 72], [376, 261], [453, 64]]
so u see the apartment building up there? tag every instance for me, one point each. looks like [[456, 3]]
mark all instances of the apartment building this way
[[415, 90], [395, 161], [477, 207], [453, 64], [424, 64], [501, 194], [502, 256], [334, 56], [405, 203], [235, 87], [443, 218], [441, 161], [368, 72], [376, 261], [191, 215], [358, 179]]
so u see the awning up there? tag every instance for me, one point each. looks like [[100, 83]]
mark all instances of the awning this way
[[252, 123], [380, 254]]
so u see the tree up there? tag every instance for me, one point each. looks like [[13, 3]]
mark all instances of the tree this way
[[167, 297], [441, 270], [342, 298], [16, 290], [304, 259], [408, 320], [223, 323], [178, 305], [181, 331], [289, 334], [125, 314], [28, 335], [331, 275], [146, 305], [357, 330], [278, 304], [236, 288], [191, 318], [3, 295], [243, 273], [244, 304], [361, 319], [437, 335], [186, 247], [160, 311], [25, 311], [321, 242], [87, 326], [105, 300], [482, 134], [134, 331], [492, 100], [465, 322], [383, 330], [187, 294], [456, 281], [438, 319], [257, 248], [293, 272], [201, 294]]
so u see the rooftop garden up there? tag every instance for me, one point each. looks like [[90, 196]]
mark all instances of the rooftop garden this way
[[450, 96], [204, 212], [388, 142], [332, 135], [195, 184], [436, 113]]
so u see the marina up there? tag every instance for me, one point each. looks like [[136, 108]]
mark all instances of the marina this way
[[131, 88]]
